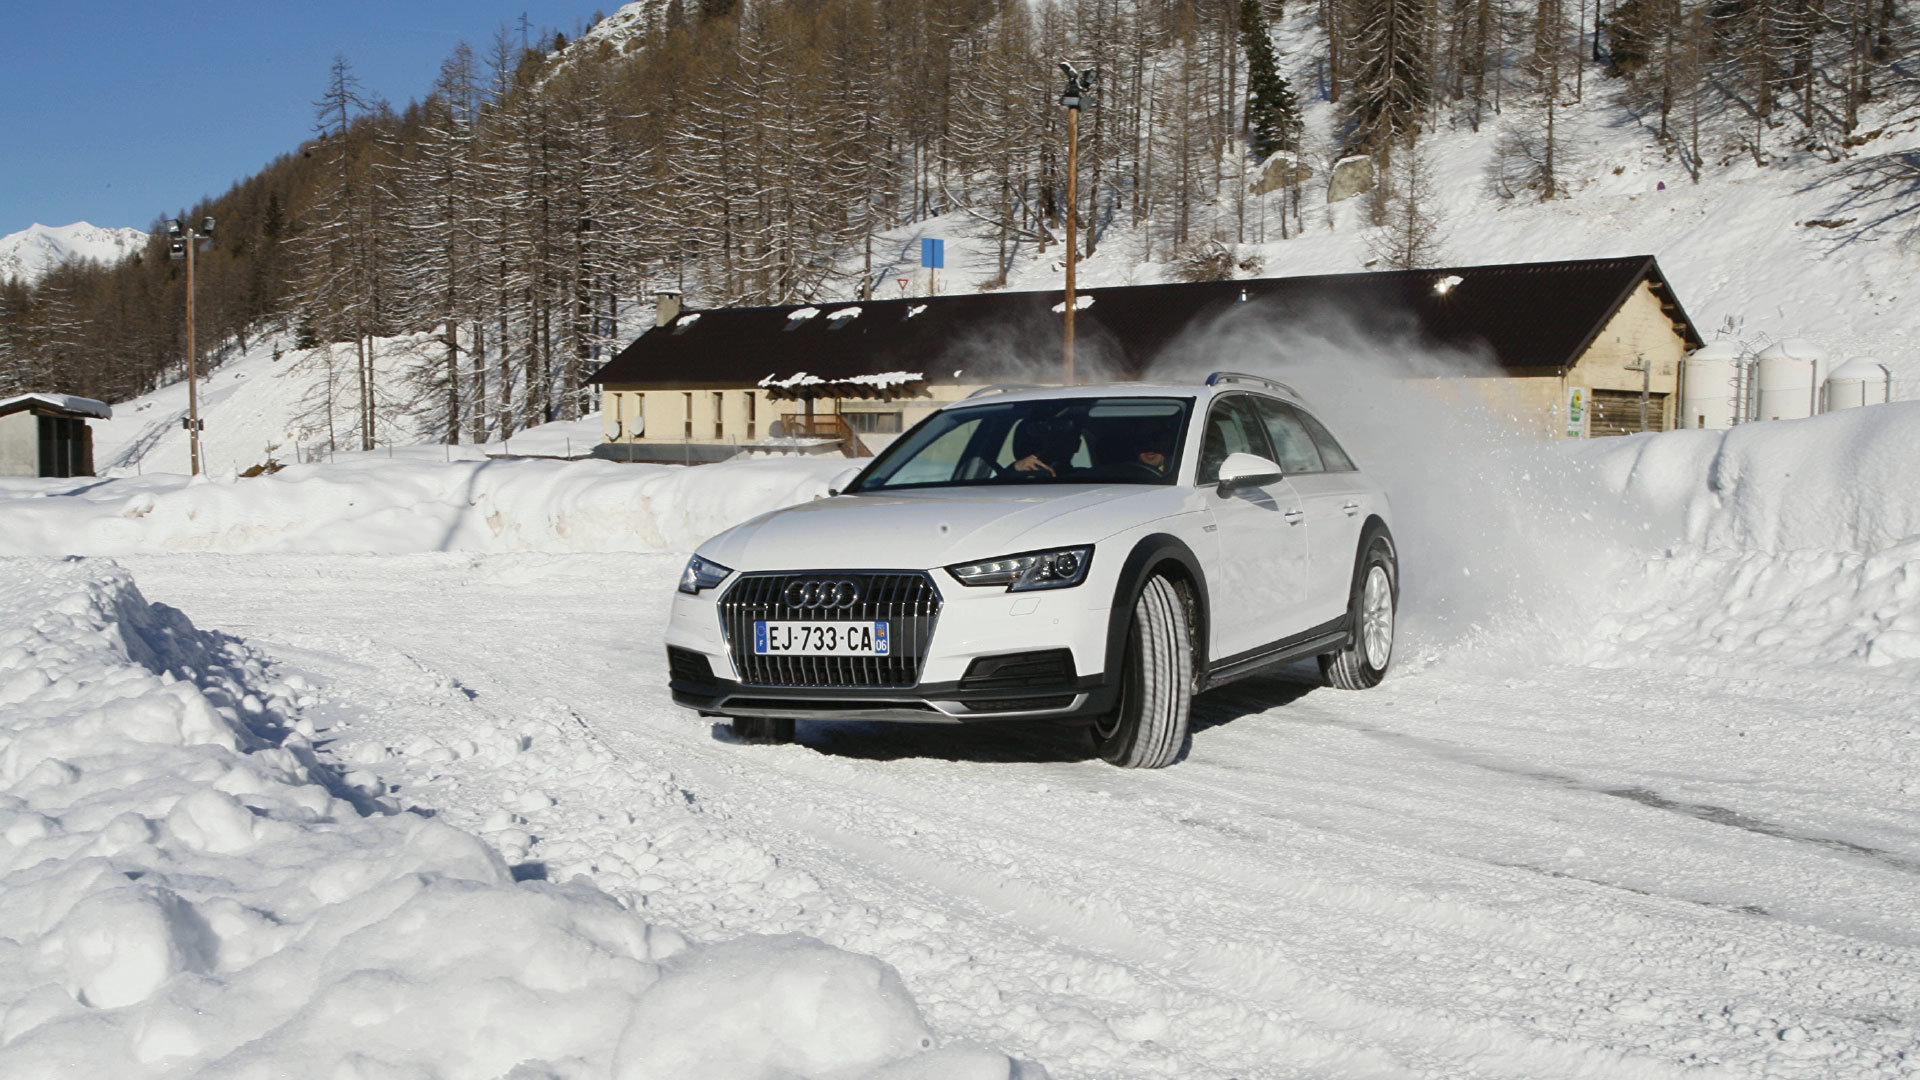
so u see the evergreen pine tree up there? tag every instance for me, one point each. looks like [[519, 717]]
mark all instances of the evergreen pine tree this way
[[1272, 113]]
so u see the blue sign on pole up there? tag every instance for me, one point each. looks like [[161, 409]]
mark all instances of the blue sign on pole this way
[[933, 253]]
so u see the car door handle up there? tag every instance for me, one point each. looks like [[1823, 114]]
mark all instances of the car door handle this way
[[1294, 516], [1351, 509]]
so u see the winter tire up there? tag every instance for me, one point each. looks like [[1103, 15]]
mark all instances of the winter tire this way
[[762, 729], [1149, 727], [1371, 612]]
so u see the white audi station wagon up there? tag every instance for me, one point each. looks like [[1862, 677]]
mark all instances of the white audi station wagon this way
[[1094, 554]]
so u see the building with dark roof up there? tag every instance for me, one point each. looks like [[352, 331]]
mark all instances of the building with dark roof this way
[[1590, 336]]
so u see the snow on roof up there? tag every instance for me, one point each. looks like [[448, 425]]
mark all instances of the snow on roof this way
[[802, 314], [915, 310], [65, 402], [844, 313], [1860, 368], [1080, 303], [882, 380], [688, 319]]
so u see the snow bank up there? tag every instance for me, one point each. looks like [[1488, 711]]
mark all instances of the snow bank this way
[[1793, 542], [183, 894], [373, 505], [1845, 481]]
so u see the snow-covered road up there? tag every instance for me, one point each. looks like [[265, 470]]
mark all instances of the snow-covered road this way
[[1498, 864]]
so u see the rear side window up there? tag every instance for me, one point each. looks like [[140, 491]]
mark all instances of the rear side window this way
[[1292, 442], [1330, 452], [1232, 428]]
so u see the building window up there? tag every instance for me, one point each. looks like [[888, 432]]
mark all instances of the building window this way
[[639, 429], [689, 394], [753, 427], [873, 423], [719, 415]]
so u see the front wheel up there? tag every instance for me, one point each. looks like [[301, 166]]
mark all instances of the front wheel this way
[[1370, 613], [1149, 726]]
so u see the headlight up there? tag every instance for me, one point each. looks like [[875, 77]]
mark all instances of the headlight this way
[[701, 574], [1038, 570]]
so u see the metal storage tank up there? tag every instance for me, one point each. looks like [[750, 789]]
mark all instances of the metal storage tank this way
[[1711, 386], [1860, 381], [1790, 375]]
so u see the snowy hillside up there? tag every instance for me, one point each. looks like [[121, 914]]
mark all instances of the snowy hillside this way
[[31, 252]]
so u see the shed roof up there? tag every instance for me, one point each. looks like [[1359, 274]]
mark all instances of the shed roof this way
[[1520, 316], [57, 405]]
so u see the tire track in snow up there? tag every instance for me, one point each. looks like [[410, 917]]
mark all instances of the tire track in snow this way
[[1264, 929]]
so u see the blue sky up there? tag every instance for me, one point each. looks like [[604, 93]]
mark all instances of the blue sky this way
[[117, 113]]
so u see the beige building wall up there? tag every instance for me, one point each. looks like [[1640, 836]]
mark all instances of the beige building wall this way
[[1536, 403], [743, 415], [1640, 332]]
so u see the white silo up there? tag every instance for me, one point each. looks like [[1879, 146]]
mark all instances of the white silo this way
[[1860, 381], [1790, 375], [1711, 387]]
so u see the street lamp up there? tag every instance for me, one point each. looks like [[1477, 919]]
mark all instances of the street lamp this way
[[1079, 83], [183, 241]]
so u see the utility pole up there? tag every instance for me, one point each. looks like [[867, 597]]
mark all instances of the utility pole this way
[[184, 240], [1078, 83]]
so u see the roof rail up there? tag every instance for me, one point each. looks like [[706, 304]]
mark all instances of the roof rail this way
[[1219, 377], [1004, 388]]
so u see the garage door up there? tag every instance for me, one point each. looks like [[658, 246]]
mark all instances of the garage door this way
[[1617, 412]]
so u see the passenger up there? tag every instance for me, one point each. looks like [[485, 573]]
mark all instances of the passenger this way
[[1152, 451]]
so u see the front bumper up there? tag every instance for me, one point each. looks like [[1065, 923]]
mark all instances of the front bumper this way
[[974, 625], [949, 703]]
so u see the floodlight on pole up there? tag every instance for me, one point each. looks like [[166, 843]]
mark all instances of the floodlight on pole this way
[[1079, 83], [186, 241]]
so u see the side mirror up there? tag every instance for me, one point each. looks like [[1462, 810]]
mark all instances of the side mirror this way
[[840, 481], [1247, 470]]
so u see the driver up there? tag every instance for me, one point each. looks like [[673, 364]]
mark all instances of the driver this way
[[1044, 446]]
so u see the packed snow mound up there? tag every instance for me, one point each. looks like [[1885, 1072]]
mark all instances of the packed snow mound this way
[[184, 894], [1845, 481], [1795, 542], [370, 505]]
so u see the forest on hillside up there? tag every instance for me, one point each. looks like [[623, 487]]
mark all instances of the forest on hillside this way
[[751, 152]]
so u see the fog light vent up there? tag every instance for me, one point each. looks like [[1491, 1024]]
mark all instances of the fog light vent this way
[[1020, 671]]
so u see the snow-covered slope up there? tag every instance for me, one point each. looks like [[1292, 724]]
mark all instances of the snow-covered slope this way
[[187, 889], [31, 252]]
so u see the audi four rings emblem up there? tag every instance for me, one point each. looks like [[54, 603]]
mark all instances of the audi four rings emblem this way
[[821, 594]]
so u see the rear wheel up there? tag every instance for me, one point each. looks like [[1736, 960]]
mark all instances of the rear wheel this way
[[1371, 612], [762, 729], [1149, 727]]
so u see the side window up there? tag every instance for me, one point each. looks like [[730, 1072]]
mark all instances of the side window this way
[[1291, 441], [1232, 428], [1330, 452]]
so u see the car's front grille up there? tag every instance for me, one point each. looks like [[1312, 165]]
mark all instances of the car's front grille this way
[[907, 602]]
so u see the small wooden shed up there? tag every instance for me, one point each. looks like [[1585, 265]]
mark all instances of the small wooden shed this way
[[47, 434]]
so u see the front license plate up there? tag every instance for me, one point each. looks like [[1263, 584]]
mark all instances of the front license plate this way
[[820, 639]]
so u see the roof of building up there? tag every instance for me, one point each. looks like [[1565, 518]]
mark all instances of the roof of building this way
[[1518, 317], [61, 404]]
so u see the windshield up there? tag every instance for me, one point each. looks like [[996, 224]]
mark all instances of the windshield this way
[[1110, 440]]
